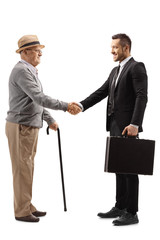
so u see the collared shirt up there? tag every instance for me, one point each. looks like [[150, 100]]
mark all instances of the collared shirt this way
[[33, 69]]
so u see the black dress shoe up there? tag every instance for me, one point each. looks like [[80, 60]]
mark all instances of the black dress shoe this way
[[29, 218], [39, 214], [113, 213], [126, 219]]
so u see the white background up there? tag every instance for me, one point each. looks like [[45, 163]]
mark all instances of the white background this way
[[75, 62]]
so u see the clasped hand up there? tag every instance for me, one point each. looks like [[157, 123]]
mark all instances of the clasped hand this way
[[74, 108]]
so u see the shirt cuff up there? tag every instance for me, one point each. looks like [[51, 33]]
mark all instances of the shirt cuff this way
[[81, 106], [134, 126]]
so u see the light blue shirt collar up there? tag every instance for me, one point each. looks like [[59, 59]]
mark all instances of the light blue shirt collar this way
[[31, 67]]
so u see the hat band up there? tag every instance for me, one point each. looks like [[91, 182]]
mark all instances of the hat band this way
[[30, 44]]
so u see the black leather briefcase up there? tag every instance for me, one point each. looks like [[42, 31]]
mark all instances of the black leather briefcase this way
[[129, 155]]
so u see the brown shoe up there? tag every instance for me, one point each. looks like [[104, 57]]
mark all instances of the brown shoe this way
[[39, 214], [30, 218]]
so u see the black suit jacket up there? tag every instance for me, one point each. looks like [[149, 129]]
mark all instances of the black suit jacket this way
[[130, 95]]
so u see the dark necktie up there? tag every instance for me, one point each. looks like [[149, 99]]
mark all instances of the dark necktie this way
[[111, 94]]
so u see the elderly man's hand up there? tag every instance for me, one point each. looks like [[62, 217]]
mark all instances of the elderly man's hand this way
[[53, 126], [74, 108]]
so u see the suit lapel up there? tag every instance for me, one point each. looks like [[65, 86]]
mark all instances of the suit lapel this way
[[113, 76], [124, 70]]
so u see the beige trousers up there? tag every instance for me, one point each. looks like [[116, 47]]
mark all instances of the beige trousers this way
[[22, 141]]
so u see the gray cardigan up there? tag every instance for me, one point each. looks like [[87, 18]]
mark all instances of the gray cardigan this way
[[27, 102]]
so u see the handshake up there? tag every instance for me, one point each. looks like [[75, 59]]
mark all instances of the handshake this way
[[74, 108]]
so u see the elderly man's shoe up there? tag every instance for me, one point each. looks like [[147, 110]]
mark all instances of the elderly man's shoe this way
[[30, 218], [39, 214], [113, 213], [126, 219]]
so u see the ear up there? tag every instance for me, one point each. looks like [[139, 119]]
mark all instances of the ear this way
[[25, 52], [127, 47]]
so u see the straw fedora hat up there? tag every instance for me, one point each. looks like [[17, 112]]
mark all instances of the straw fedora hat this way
[[28, 41]]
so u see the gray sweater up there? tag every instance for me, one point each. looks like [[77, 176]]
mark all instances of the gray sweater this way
[[27, 102]]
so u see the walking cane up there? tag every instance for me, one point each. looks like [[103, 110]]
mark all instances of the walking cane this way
[[61, 166]]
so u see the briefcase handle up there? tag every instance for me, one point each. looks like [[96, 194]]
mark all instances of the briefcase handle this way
[[126, 136]]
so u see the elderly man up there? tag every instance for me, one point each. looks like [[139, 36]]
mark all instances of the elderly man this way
[[27, 104]]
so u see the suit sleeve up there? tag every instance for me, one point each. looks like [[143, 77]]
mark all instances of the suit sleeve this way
[[140, 85], [96, 96]]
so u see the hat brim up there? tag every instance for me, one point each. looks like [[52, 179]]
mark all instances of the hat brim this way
[[21, 49]]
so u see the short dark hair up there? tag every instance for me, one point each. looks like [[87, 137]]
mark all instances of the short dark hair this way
[[124, 39]]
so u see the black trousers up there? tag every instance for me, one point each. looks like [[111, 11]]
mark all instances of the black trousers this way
[[127, 185]]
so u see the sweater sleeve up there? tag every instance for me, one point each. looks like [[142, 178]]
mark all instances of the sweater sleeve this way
[[30, 86], [47, 117]]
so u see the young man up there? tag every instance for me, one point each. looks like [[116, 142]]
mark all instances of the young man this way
[[27, 104], [126, 88]]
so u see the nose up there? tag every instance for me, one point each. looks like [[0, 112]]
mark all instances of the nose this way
[[112, 51]]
